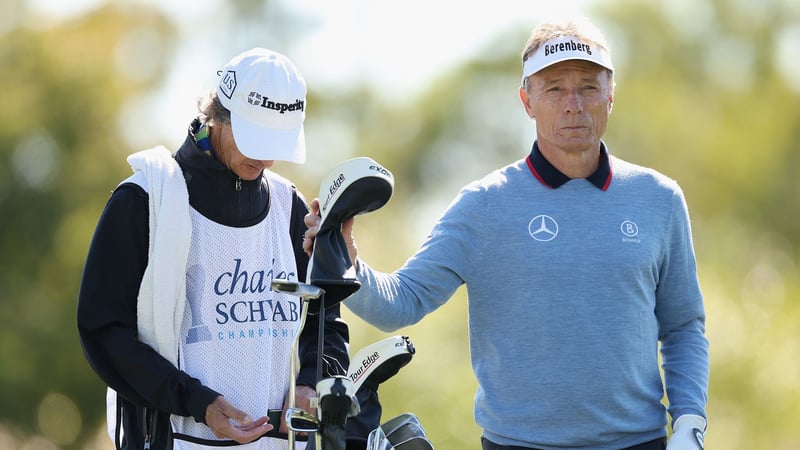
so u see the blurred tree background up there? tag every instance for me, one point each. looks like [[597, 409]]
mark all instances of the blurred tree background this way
[[708, 92]]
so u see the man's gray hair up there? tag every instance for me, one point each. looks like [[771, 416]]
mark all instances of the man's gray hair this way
[[579, 27]]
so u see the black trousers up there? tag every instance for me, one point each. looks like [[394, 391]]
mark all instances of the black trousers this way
[[657, 444]]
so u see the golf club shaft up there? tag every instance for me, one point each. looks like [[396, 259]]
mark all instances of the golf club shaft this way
[[293, 364], [320, 338]]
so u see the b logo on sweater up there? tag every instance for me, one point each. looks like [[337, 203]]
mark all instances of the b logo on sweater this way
[[630, 231]]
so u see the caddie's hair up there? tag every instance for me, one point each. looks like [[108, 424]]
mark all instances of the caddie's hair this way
[[211, 110], [579, 27]]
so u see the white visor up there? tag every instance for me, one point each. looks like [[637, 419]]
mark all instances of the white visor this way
[[565, 48]]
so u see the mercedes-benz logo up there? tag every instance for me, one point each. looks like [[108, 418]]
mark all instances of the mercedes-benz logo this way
[[543, 228]]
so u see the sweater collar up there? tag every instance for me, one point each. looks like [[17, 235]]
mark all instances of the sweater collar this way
[[548, 175]]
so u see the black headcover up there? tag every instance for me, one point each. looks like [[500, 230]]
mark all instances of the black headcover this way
[[356, 186]]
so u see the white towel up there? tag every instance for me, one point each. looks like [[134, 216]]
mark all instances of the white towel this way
[[162, 294], [159, 322]]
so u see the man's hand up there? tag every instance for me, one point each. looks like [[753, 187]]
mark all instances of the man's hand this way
[[228, 422], [303, 397], [312, 221], [688, 433]]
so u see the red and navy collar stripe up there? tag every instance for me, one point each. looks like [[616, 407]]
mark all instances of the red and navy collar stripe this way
[[548, 175]]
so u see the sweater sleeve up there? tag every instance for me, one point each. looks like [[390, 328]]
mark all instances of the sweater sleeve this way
[[429, 278], [681, 317], [106, 314]]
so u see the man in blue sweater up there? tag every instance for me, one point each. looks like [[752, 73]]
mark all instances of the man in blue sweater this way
[[577, 265]]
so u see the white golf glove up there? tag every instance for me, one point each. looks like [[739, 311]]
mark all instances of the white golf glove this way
[[688, 433]]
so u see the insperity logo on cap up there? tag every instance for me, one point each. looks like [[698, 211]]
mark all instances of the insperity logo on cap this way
[[565, 48], [257, 99], [266, 96]]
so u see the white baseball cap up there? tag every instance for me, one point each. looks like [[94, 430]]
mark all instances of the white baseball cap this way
[[565, 48], [266, 96]]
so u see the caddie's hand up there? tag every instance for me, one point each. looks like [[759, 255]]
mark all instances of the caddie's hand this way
[[228, 422], [688, 433], [304, 396], [312, 221]]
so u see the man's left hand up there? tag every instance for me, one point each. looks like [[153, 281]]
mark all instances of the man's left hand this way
[[688, 433]]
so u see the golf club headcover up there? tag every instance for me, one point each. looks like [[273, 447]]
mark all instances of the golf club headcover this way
[[356, 186], [377, 362], [369, 367]]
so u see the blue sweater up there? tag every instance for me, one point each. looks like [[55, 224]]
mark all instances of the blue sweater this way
[[570, 292]]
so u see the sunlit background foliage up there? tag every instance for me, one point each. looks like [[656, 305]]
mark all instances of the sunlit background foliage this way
[[708, 92]]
